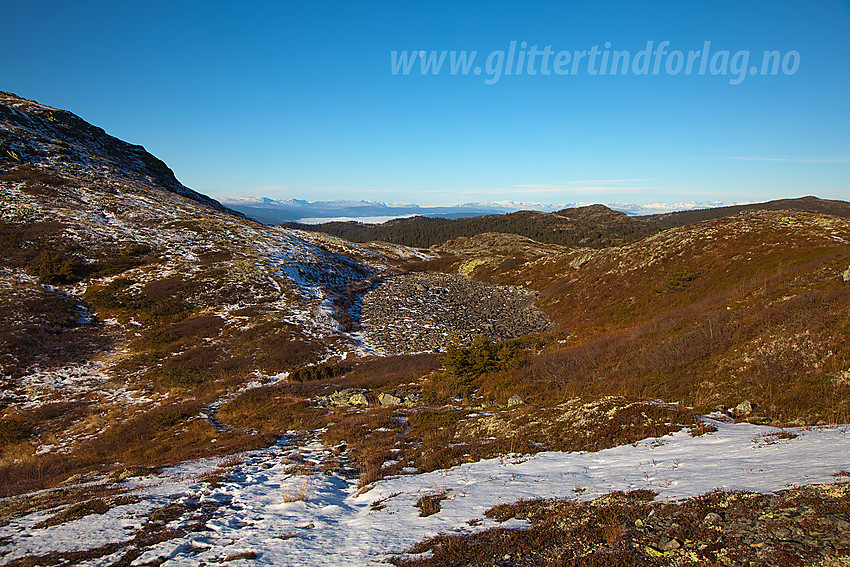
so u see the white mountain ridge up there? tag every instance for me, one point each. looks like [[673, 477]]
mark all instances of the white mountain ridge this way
[[294, 209]]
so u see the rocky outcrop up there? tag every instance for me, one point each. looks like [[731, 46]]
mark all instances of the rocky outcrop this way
[[427, 312], [389, 400], [515, 400], [743, 409], [400, 398], [356, 397], [349, 397]]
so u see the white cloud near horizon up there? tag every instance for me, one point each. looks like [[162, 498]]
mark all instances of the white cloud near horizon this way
[[839, 159], [581, 189]]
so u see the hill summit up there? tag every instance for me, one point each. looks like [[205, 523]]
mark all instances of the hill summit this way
[[37, 134]]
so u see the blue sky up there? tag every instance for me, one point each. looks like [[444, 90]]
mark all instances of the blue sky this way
[[297, 99]]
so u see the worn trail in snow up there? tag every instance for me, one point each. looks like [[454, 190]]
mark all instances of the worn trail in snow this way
[[337, 526]]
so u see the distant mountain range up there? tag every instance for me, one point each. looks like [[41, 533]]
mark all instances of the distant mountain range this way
[[273, 211]]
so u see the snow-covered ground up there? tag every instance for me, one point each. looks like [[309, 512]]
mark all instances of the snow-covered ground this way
[[258, 510]]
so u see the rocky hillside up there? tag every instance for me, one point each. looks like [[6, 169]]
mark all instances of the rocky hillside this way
[[132, 305], [751, 306], [37, 134], [125, 295], [146, 329]]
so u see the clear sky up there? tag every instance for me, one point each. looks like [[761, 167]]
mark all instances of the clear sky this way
[[298, 99]]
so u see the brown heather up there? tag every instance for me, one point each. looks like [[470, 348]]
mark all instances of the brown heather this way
[[744, 307], [631, 529]]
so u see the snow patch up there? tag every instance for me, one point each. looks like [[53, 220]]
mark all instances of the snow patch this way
[[333, 523]]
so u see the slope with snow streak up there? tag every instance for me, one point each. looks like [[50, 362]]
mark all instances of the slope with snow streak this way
[[336, 526]]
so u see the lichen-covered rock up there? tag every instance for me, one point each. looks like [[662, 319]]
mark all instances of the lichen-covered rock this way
[[743, 409], [389, 400], [515, 400], [343, 398], [412, 399], [358, 399]]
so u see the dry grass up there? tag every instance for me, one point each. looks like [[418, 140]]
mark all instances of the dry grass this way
[[389, 371], [17, 506], [701, 428], [708, 314], [230, 462], [38, 472], [383, 441], [270, 409], [242, 555], [85, 508], [141, 441], [630, 529], [613, 531], [379, 504], [429, 504], [166, 435], [371, 436], [301, 491]]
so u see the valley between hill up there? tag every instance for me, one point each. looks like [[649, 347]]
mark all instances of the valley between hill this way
[[174, 375]]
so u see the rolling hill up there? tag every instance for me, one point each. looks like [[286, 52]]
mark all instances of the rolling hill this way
[[806, 204], [593, 226], [180, 385]]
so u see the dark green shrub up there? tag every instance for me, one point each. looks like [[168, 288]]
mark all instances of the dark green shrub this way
[[167, 419], [55, 268], [480, 357], [317, 372], [129, 257], [32, 176], [14, 429]]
